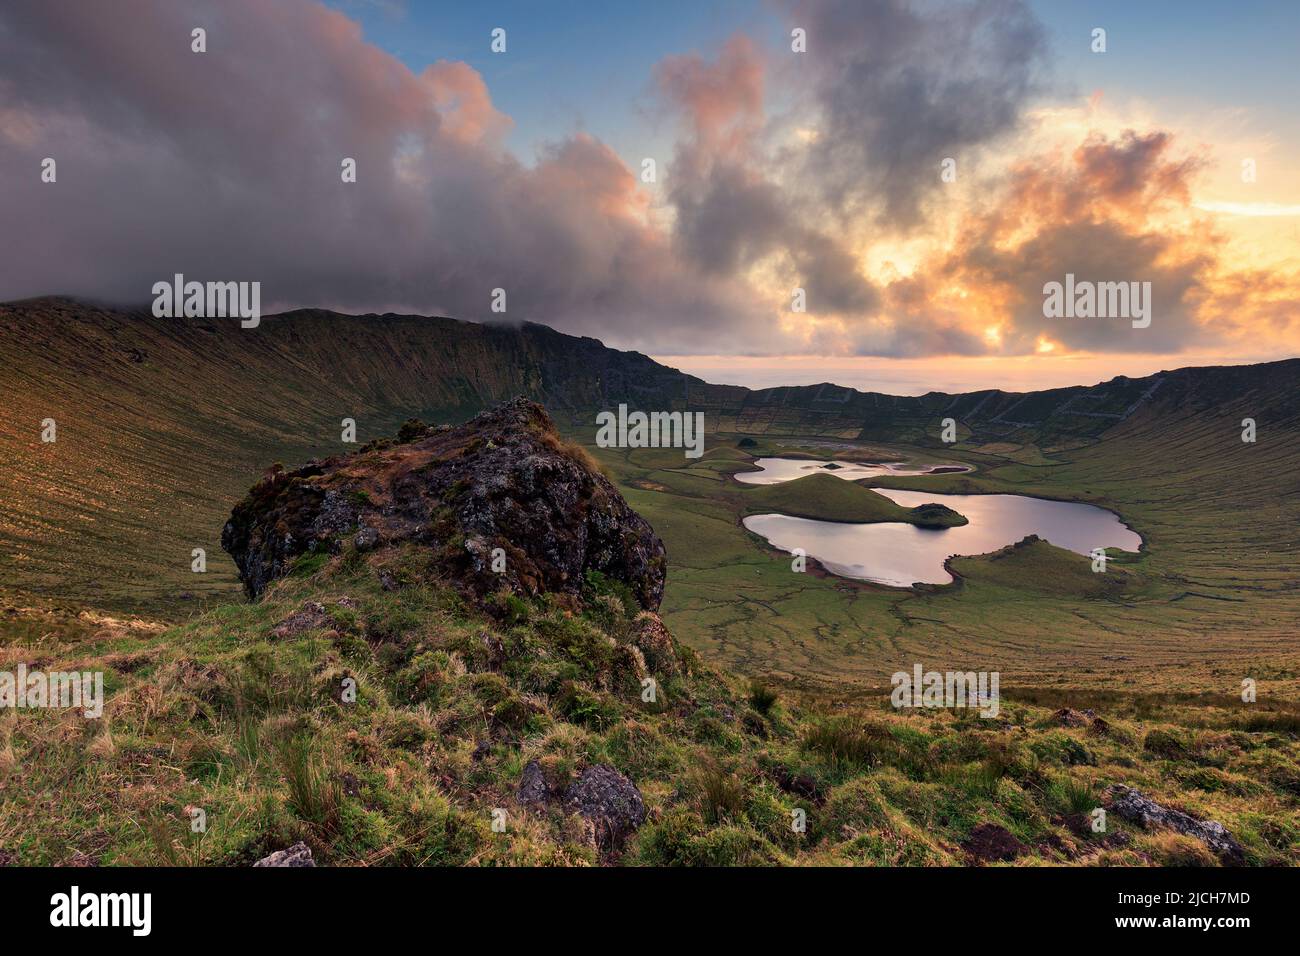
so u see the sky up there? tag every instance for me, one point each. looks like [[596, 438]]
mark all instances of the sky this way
[[873, 193]]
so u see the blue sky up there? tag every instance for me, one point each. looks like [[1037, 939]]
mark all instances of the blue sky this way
[[570, 66], [1193, 51], [588, 66]]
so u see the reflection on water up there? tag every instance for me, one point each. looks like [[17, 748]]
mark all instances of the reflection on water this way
[[776, 470], [900, 554]]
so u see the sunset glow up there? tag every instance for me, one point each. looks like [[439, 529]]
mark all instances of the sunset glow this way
[[914, 197]]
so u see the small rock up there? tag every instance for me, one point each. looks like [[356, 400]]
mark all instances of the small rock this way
[[532, 785], [1137, 808], [610, 802], [367, 539], [297, 855], [311, 616], [652, 637], [1067, 717]]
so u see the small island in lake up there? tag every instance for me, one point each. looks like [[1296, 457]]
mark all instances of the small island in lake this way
[[934, 515]]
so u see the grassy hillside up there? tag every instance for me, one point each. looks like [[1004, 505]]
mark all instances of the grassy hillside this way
[[1212, 599], [239, 713], [162, 424]]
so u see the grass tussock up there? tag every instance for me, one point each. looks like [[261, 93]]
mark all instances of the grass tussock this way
[[449, 705]]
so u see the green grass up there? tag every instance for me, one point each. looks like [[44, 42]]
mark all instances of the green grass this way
[[1209, 602], [215, 715], [146, 469]]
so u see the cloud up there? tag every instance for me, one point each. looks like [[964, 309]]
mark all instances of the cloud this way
[[896, 87], [788, 170], [1107, 212], [226, 165], [731, 212], [884, 93], [1268, 209], [723, 101]]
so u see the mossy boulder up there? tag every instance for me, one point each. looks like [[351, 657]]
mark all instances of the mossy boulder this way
[[502, 503]]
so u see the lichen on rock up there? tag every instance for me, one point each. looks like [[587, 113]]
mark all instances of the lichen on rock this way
[[502, 502]]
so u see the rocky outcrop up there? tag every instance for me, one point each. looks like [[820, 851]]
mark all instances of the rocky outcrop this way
[[1137, 808], [312, 615], [297, 855], [502, 502]]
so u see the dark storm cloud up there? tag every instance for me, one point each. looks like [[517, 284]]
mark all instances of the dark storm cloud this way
[[726, 220]]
